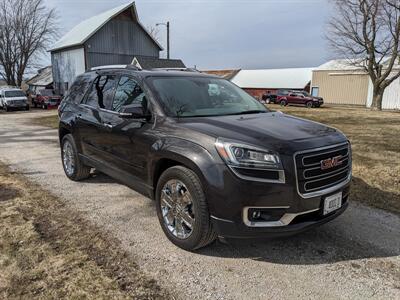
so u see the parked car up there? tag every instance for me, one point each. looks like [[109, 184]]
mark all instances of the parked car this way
[[295, 98], [268, 98], [307, 94], [12, 98], [45, 99], [217, 162]]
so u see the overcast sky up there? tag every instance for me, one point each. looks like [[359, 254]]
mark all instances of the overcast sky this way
[[218, 34]]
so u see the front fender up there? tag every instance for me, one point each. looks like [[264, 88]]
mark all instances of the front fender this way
[[206, 165]]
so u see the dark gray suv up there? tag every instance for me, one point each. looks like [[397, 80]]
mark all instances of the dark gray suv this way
[[216, 161]]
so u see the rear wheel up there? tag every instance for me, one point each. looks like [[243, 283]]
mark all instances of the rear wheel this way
[[73, 166], [182, 209], [283, 103], [309, 104]]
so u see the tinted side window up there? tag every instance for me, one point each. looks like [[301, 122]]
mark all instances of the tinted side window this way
[[101, 92], [79, 87], [128, 92]]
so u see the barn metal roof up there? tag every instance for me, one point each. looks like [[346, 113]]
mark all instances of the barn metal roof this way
[[292, 78], [84, 30], [349, 65]]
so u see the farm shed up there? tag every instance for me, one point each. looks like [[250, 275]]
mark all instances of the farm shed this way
[[145, 62], [43, 80], [259, 82], [111, 38], [340, 82]]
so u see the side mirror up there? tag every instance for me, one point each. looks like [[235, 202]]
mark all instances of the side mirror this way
[[134, 111]]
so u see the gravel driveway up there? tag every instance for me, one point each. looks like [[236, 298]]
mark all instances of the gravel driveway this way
[[356, 256]]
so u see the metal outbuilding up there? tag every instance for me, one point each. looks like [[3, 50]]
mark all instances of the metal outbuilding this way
[[110, 38], [342, 82]]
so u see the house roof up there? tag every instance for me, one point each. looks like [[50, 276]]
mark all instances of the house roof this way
[[146, 62], [43, 78], [227, 74], [84, 30], [292, 78]]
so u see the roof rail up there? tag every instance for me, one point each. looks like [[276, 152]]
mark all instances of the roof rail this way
[[178, 69], [115, 67]]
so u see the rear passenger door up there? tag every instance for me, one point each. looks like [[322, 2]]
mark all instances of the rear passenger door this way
[[93, 115], [129, 139]]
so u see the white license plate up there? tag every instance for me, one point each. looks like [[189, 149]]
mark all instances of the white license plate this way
[[332, 203]]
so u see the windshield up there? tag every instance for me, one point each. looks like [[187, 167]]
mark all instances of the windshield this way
[[12, 94], [202, 97]]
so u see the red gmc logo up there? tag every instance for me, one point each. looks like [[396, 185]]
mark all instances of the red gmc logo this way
[[331, 162]]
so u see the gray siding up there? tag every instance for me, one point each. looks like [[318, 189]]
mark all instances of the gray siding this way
[[117, 42]]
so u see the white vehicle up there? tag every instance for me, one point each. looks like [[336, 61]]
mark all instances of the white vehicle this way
[[13, 98]]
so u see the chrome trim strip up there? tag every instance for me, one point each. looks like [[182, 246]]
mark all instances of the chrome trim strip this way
[[285, 220], [308, 165], [319, 179], [322, 175], [327, 190], [280, 172]]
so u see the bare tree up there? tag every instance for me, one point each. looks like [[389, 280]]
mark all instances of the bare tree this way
[[367, 34], [27, 27], [154, 32]]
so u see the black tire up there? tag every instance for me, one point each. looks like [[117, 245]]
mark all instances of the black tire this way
[[6, 108], [27, 108], [283, 103], [309, 104], [80, 171], [44, 106], [202, 232]]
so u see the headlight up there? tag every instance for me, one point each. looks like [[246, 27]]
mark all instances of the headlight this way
[[250, 162], [242, 155]]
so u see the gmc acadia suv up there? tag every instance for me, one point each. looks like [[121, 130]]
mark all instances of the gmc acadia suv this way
[[216, 161]]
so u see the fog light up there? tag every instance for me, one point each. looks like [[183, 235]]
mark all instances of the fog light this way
[[256, 214]]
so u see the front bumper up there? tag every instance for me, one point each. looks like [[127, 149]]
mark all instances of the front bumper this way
[[302, 222], [233, 197]]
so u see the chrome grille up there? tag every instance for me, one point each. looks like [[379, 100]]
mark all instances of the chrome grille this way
[[312, 179]]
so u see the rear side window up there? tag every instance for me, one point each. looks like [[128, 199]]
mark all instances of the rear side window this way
[[79, 87], [101, 92], [128, 92]]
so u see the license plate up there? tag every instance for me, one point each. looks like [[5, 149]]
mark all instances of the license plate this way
[[332, 203]]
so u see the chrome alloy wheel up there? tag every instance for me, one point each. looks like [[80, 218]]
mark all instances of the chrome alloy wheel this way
[[68, 158], [177, 209]]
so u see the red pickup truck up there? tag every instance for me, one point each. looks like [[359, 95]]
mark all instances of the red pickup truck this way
[[46, 99], [298, 99]]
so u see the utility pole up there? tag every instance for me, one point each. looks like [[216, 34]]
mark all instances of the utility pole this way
[[168, 40]]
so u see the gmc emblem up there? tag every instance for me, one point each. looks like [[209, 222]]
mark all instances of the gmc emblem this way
[[331, 162]]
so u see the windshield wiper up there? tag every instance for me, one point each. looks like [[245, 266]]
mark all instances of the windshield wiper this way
[[255, 111]]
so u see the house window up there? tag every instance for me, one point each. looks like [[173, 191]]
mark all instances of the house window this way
[[315, 91]]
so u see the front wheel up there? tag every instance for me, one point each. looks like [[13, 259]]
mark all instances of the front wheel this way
[[309, 104], [182, 209], [73, 166]]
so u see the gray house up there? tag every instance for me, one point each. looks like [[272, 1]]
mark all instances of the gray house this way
[[112, 38]]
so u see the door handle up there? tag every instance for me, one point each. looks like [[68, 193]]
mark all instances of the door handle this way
[[108, 125]]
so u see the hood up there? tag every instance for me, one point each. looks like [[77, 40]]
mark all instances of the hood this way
[[273, 129]]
